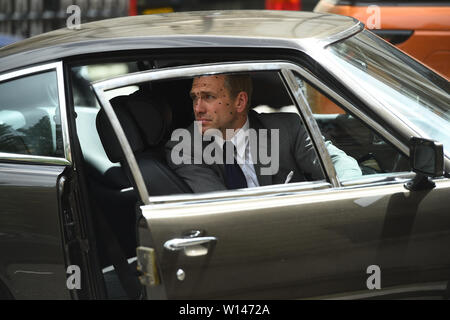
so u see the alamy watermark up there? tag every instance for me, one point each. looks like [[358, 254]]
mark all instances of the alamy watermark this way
[[74, 280], [74, 20], [191, 150], [374, 280], [374, 19]]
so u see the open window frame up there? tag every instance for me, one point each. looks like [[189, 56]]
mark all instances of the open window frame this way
[[66, 158], [287, 71], [191, 71]]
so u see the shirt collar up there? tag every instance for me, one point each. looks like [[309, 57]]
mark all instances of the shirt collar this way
[[240, 139]]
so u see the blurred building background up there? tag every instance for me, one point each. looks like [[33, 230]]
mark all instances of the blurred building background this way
[[25, 18]]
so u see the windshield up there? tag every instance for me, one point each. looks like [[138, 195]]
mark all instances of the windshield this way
[[413, 93]]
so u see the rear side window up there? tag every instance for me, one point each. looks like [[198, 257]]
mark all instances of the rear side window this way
[[30, 121]]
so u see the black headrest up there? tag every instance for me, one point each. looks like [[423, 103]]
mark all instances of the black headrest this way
[[152, 115], [267, 86], [108, 137], [176, 92]]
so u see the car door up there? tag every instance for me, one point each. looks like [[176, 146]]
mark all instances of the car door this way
[[34, 158], [368, 238]]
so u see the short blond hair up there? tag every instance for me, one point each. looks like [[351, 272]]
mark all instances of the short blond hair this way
[[236, 83]]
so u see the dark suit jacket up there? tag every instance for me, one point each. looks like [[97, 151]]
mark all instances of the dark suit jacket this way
[[296, 153]]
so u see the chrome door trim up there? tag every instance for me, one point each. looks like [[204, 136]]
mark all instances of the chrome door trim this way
[[389, 291], [358, 27], [27, 71], [182, 243], [247, 193], [195, 70], [273, 191], [314, 130], [67, 159], [16, 157], [186, 72], [384, 178], [374, 192], [63, 111], [125, 145]]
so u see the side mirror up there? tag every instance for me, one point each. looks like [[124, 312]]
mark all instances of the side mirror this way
[[427, 161]]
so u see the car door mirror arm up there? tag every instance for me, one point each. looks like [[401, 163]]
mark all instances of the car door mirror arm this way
[[427, 161], [420, 182]]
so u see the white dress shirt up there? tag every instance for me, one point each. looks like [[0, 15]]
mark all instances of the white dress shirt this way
[[243, 154]]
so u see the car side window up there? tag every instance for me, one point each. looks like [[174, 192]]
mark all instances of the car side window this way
[[166, 120], [348, 133], [87, 107], [30, 120], [272, 148]]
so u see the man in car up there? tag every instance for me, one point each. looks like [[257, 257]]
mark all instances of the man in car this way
[[256, 149]]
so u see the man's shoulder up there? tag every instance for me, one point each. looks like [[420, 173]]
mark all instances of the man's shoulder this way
[[275, 119], [181, 133]]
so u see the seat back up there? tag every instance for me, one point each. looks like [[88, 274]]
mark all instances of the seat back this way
[[109, 184], [145, 120], [107, 135], [153, 117]]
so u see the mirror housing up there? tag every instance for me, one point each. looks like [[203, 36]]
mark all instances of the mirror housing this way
[[427, 161]]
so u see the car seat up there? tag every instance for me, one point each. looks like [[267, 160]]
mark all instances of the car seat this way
[[145, 120]]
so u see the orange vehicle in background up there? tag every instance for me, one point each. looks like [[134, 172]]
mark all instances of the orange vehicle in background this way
[[420, 28]]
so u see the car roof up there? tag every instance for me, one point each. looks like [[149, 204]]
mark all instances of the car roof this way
[[250, 28]]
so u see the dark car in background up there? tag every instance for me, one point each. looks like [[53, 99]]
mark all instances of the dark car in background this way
[[89, 208], [420, 28]]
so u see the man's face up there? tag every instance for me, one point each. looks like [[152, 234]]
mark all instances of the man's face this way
[[212, 104]]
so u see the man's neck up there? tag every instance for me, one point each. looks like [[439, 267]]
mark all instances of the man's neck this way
[[240, 123]]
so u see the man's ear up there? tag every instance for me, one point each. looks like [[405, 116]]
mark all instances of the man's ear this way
[[241, 101]]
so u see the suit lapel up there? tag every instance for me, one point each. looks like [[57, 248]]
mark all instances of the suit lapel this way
[[198, 154], [219, 168], [262, 148]]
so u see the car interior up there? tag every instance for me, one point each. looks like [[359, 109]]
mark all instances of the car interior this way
[[148, 114]]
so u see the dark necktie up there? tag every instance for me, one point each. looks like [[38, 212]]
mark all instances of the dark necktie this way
[[234, 177]]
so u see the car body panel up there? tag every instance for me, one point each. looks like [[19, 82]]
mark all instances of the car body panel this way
[[30, 232], [178, 30], [33, 242], [302, 245]]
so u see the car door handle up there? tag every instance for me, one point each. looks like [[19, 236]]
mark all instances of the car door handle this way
[[182, 243]]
